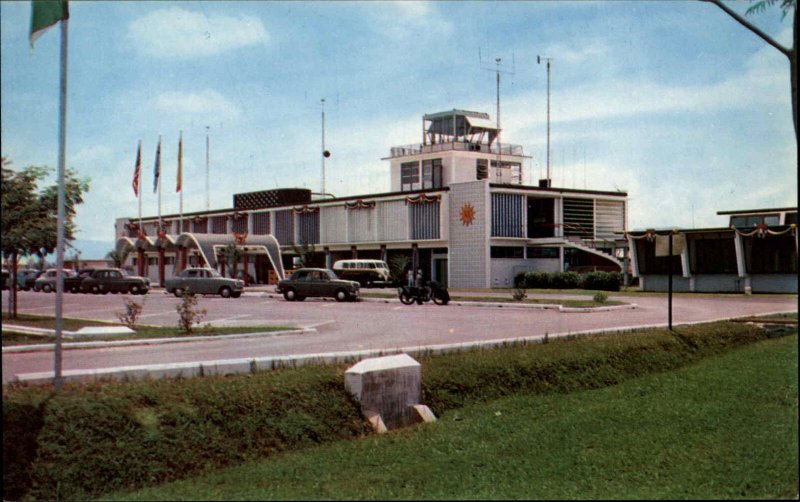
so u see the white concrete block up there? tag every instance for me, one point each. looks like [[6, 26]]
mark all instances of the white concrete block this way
[[389, 386]]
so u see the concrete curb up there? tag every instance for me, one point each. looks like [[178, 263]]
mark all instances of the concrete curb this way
[[252, 365], [470, 303], [148, 341]]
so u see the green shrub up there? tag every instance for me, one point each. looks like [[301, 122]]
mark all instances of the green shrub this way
[[600, 297], [565, 365], [90, 439], [602, 281]]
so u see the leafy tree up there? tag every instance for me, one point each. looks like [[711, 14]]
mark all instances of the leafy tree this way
[[758, 7], [29, 215], [119, 256], [232, 256], [304, 252]]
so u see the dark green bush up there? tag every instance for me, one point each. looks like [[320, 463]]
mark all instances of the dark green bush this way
[[603, 281], [90, 439], [569, 365]]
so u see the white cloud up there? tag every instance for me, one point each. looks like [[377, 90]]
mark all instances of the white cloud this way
[[205, 104], [408, 20], [176, 33]]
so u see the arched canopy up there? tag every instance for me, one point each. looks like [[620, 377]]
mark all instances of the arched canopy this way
[[209, 244]]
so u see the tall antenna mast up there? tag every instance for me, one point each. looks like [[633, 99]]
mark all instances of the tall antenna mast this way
[[208, 199], [498, 69], [539, 61], [324, 152]]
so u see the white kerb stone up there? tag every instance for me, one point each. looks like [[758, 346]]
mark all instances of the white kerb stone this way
[[104, 330]]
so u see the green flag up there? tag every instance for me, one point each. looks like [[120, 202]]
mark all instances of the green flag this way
[[46, 13]]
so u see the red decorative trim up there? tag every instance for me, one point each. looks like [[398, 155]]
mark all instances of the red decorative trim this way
[[422, 199], [305, 209], [240, 238], [360, 204]]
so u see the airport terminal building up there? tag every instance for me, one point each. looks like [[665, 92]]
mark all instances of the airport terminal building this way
[[457, 207], [756, 253]]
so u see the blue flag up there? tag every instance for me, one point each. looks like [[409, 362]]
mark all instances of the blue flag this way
[[158, 167]]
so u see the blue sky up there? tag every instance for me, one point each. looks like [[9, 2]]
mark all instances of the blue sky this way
[[672, 101]]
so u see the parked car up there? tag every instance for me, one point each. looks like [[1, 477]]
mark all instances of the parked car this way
[[26, 277], [306, 282], [204, 281], [73, 284], [112, 280], [47, 281], [366, 272]]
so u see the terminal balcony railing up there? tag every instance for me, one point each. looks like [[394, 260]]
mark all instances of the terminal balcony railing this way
[[418, 148]]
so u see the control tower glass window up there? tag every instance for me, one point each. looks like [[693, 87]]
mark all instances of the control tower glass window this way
[[432, 173], [409, 176]]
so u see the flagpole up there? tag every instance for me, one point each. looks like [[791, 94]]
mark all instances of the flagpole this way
[[62, 161], [158, 181], [139, 184], [180, 179]]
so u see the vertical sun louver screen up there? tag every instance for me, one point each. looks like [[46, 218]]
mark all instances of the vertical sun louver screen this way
[[284, 227], [579, 218], [424, 219], [334, 224], [261, 223], [507, 215], [200, 227], [218, 225], [308, 228], [240, 224]]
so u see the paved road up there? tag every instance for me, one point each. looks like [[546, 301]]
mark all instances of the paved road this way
[[355, 326]]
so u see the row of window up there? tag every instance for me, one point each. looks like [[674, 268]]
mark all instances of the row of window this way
[[523, 252], [716, 254]]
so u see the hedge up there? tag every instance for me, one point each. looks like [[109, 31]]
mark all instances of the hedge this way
[[90, 439], [603, 281]]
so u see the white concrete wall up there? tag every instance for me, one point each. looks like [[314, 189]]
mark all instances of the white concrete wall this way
[[504, 270]]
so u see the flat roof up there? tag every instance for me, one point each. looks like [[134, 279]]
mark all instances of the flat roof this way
[[755, 211], [450, 113]]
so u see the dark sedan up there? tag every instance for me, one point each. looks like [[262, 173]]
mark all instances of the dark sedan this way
[[113, 280], [308, 282]]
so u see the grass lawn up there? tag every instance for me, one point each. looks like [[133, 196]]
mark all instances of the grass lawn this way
[[142, 331], [725, 427]]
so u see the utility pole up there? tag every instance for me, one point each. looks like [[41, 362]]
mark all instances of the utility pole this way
[[539, 61]]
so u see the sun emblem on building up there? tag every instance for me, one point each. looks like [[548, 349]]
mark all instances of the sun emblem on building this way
[[467, 214]]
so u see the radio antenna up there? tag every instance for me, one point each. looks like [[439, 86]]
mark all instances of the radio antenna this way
[[539, 60], [498, 68]]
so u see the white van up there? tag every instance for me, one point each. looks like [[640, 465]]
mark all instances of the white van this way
[[366, 272]]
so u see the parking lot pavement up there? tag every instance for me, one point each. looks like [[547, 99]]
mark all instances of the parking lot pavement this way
[[355, 326]]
